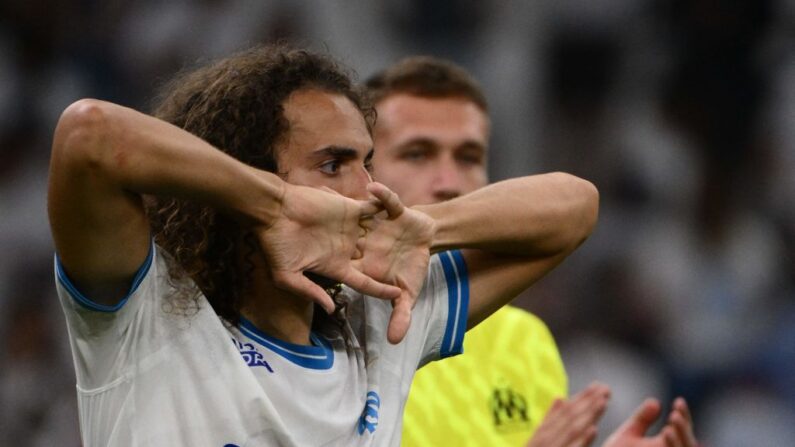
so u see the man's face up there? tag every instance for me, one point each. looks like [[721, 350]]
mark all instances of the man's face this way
[[327, 144], [430, 149]]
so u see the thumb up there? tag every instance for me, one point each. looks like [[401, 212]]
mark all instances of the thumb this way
[[400, 320], [391, 202]]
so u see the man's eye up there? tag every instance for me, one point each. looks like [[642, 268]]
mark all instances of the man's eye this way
[[414, 155], [330, 167], [470, 159], [368, 165]]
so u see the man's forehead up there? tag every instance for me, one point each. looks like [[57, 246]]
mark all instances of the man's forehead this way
[[307, 106], [312, 112], [456, 116], [420, 108]]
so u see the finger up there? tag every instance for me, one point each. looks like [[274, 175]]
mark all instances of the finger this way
[[587, 400], [364, 284], [579, 413], [587, 437], [677, 422], [596, 387], [640, 421], [369, 208], [367, 222], [599, 389], [683, 427], [552, 422], [589, 411], [671, 440], [556, 406], [359, 251], [399, 321], [681, 405], [394, 207], [302, 286], [668, 437], [361, 244]]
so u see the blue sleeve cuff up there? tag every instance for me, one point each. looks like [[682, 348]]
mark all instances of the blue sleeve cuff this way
[[455, 274], [87, 302]]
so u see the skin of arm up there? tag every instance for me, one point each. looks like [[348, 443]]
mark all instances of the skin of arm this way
[[513, 232], [105, 157]]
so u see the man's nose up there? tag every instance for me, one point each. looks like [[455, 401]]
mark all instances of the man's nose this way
[[362, 179], [447, 182]]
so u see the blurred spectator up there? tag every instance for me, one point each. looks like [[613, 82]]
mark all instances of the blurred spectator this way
[[37, 386]]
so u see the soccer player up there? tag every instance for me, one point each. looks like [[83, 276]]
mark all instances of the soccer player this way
[[183, 240], [431, 140]]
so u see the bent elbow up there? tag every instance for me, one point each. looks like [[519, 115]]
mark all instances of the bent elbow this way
[[583, 209], [81, 134], [590, 207]]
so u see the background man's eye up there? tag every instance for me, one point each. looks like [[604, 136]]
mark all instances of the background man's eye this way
[[414, 155], [471, 159]]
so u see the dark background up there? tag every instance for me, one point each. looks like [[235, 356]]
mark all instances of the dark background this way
[[681, 112]]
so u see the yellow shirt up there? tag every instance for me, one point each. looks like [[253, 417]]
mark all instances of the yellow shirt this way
[[495, 393]]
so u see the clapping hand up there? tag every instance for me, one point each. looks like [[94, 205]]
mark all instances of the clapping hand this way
[[573, 422], [677, 432]]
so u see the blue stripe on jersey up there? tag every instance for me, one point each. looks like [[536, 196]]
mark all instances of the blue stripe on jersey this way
[[319, 356], [86, 302], [455, 273]]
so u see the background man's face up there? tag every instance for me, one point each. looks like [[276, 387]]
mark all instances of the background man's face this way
[[327, 144], [430, 149]]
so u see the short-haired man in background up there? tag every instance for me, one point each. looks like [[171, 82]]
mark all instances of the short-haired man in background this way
[[431, 140]]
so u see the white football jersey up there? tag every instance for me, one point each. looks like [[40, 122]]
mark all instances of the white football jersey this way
[[149, 375]]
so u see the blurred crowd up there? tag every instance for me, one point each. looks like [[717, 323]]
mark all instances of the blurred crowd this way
[[681, 112]]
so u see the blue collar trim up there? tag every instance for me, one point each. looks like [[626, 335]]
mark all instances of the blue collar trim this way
[[319, 356]]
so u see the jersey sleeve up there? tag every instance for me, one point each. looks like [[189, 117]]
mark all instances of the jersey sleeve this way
[[100, 336], [440, 316]]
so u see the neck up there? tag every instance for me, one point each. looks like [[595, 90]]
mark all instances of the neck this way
[[274, 311]]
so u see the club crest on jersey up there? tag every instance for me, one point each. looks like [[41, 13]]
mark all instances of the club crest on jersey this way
[[509, 409], [369, 418], [250, 355]]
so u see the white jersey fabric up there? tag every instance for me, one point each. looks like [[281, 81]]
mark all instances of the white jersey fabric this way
[[148, 375]]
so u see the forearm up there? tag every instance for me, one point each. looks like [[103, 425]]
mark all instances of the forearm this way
[[143, 155], [104, 158], [537, 215]]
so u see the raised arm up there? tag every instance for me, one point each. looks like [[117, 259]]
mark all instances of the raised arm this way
[[105, 157], [513, 233]]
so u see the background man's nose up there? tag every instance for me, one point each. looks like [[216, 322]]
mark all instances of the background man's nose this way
[[447, 184]]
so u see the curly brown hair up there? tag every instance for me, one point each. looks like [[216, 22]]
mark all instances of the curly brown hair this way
[[235, 104]]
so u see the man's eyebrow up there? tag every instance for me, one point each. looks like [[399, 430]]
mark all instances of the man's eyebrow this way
[[473, 144], [431, 143], [421, 141], [336, 151]]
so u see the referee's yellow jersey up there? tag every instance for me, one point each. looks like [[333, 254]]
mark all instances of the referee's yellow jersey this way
[[495, 393]]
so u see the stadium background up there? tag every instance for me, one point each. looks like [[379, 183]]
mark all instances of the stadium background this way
[[681, 112]]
